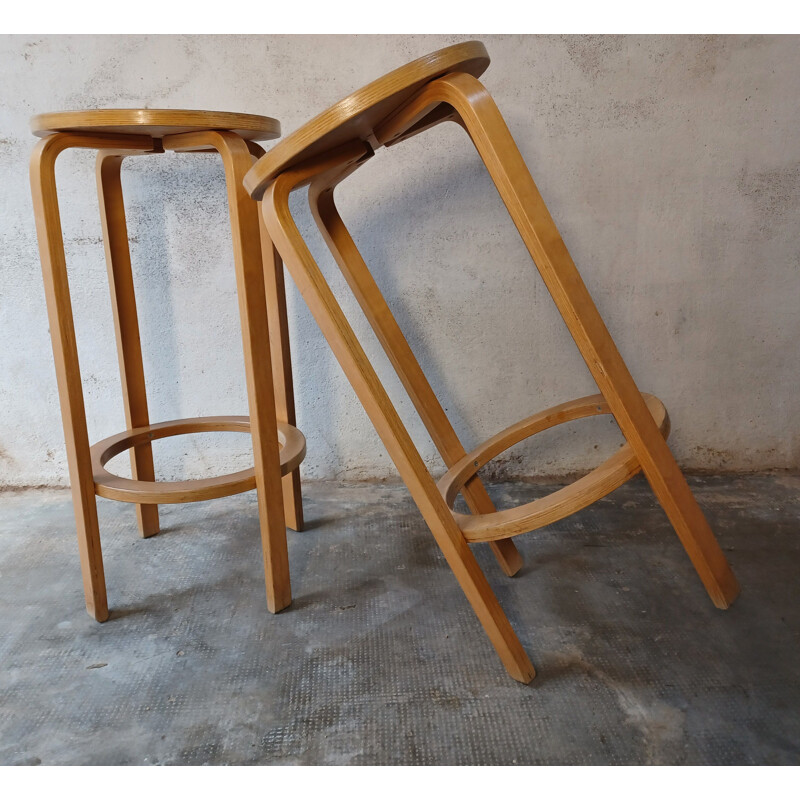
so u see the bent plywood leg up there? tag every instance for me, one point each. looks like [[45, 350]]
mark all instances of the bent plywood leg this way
[[380, 317], [390, 428], [280, 350], [126, 323], [65, 351], [255, 336], [531, 217], [275, 287], [65, 354]]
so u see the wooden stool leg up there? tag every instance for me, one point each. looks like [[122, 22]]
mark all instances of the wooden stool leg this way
[[255, 334], [507, 168], [126, 323], [245, 231], [396, 347], [65, 354], [281, 368], [275, 287], [376, 402]]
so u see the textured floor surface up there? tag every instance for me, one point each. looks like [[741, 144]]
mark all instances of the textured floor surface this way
[[380, 659]]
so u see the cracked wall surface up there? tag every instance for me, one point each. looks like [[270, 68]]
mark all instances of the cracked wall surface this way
[[670, 164]]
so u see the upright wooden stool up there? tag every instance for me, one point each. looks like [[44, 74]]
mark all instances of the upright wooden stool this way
[[278, 447], [439, 87]]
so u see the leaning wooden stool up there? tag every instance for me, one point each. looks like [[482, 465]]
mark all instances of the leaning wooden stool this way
[[439, 87], [278, 447]]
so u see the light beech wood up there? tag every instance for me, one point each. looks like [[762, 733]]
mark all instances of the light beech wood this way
[[376, 402], [155, 122], [277, 446], [126, 321], [278, 320], [332, 146], [65, 351], [610, 475], [497, 149], [245, 230], [355, 117], [377, 311], [292, 451]]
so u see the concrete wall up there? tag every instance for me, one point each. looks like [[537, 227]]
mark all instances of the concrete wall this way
[[671, 164]]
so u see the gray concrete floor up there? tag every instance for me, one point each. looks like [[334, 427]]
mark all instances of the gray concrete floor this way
[[380, 659]]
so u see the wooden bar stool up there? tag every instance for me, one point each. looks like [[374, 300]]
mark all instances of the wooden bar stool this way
[[278, 447], [440, 87]]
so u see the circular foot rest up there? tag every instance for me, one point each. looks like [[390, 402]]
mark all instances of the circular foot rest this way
[[292, 444], [610, 475]]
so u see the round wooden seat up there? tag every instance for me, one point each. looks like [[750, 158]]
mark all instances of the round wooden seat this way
[[356, 117], [155, 122]]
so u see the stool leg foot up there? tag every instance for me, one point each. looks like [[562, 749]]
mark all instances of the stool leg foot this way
[[478, 592], [65, 353], [507, 555], [507, 168], [126, 323]]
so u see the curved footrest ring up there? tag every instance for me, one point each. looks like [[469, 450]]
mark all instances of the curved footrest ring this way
[[291, 440], [602, 480]]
